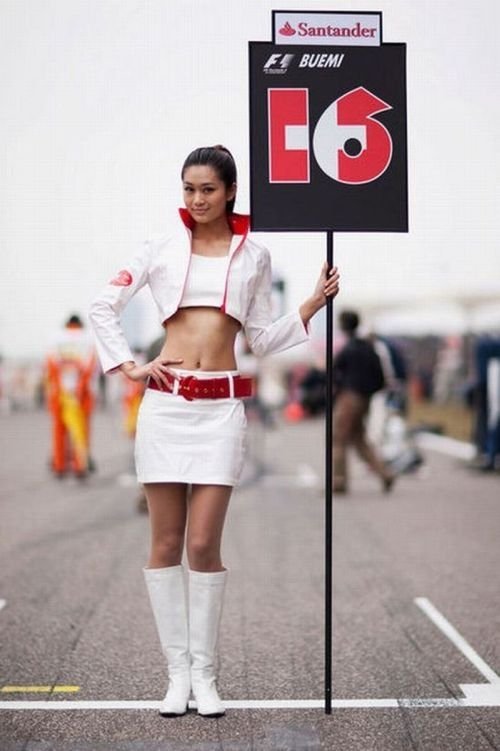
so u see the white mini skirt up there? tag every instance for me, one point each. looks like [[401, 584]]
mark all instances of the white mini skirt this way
[[197, 442]]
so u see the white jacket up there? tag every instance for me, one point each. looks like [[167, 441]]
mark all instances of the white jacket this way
[[163, 264]]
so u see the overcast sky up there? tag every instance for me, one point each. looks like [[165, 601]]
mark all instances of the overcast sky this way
[[102, 100]]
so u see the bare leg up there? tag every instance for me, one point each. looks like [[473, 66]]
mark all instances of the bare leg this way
[[207, 512], [167, 515]]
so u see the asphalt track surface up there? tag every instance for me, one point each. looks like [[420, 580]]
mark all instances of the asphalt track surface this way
[[416, 606]]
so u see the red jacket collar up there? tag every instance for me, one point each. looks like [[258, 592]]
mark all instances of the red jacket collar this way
[[239, 223]]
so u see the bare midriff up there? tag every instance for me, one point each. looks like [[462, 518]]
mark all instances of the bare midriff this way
[[203, 337]]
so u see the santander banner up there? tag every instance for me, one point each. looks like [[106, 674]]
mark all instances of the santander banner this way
[[343, 29]]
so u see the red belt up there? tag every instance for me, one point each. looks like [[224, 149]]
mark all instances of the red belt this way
[[191, 387]]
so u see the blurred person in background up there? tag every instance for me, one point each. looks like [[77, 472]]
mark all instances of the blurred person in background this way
[[4, 402], [486, 402], [379, 404], [387, 427], [449, 370], [395, 369], [132, 394], [210, 279], [152, 352], [312, 389], [69, 374], [357, 375]]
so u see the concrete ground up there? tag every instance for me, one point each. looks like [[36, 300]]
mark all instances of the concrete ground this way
[[416, 649]]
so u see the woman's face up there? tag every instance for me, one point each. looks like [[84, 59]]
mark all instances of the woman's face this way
[[205, 194]]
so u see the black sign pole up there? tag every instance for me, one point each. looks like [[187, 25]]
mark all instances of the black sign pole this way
[[299, 112], [329, 487]]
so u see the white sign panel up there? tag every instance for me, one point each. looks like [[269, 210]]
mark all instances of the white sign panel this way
[[343, 29]]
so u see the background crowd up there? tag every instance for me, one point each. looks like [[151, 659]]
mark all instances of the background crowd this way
[[446, 385]]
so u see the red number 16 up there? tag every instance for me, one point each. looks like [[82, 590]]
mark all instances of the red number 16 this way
[[349, 145]]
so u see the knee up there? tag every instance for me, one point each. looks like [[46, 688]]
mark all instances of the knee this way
[[203, 554], [166, 551]]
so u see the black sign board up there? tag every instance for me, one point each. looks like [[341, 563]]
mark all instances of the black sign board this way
[[328, 138]]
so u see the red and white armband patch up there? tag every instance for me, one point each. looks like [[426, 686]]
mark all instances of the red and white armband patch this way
[[122, 279]]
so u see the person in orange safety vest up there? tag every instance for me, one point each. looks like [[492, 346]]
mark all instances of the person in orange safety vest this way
[[133, 391], [69, 373]]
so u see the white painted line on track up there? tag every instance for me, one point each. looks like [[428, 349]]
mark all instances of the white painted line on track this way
[[306, 703], [3, 603], [457, 639], [448, 446], [438, 703], [484, 694]]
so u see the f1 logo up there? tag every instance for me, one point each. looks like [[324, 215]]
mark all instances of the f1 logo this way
[[284, 61], [349, 145]]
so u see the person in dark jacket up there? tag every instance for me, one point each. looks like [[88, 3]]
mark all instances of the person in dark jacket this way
[[357, 375]]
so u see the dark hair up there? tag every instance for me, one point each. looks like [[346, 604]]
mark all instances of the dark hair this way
[[222, 162], [349, 321], [74, 320]]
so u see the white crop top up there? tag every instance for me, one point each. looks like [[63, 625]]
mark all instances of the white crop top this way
[[206, 281]]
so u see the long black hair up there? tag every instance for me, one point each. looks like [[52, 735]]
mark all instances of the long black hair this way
[[221, 160]]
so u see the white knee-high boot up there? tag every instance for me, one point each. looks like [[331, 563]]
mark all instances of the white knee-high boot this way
[[167, 593], [206, 594]]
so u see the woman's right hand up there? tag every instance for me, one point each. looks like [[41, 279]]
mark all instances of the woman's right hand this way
[[154, 369]]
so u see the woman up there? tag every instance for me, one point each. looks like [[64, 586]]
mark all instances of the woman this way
[[209, 279]]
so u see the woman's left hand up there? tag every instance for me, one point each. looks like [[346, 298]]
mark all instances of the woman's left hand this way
[[327, 285]]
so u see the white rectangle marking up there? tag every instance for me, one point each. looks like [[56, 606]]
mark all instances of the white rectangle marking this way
[[296, 137]]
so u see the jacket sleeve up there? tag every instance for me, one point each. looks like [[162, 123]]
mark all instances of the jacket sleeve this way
[[105, 310], [264, 335]]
